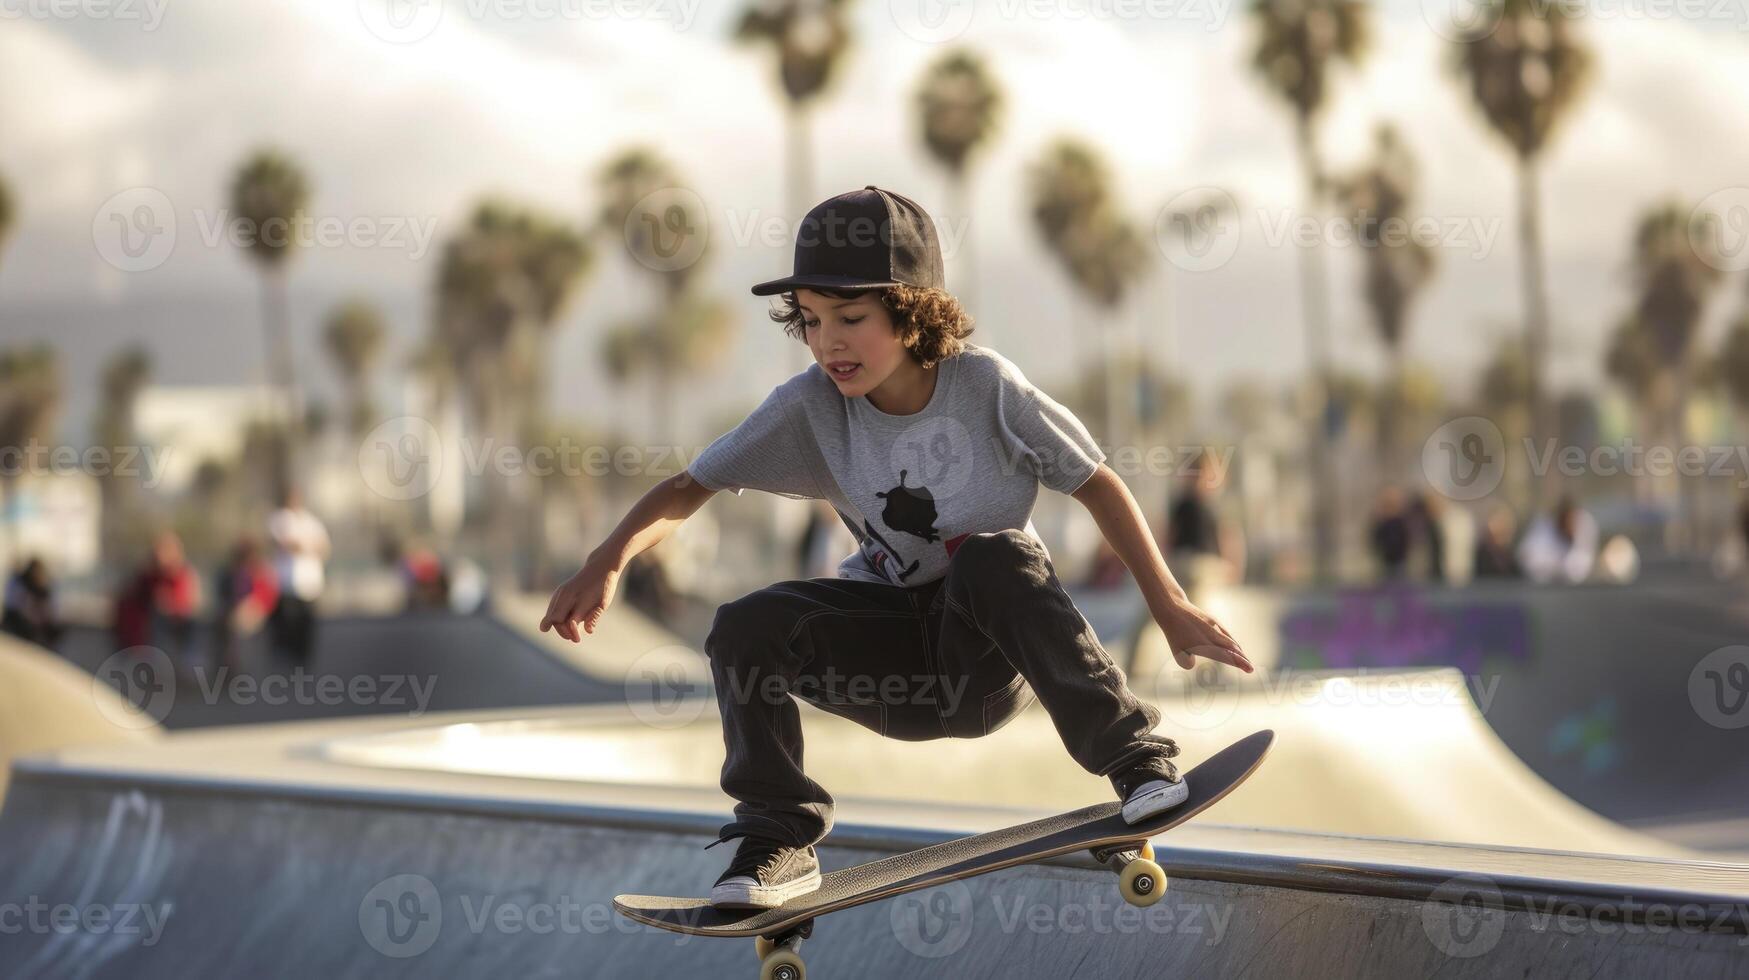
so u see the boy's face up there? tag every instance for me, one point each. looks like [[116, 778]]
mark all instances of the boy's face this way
[[859, 332]]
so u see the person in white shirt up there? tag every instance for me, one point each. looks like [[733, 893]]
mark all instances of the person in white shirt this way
[[300, 547], [1563, 549]]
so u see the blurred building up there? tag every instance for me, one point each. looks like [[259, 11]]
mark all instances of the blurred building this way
[[52, 516]]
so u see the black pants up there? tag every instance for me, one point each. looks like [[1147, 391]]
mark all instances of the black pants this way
[[954, 658], [293, 626]]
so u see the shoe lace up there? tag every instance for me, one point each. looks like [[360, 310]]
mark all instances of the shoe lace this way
[[755, 857]]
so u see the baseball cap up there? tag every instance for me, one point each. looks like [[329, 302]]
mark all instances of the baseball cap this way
[[864, 239]]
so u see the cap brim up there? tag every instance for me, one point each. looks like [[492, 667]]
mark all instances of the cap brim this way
[[788, 283]]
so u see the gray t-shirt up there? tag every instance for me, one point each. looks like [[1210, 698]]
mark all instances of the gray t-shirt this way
[[909, 487]]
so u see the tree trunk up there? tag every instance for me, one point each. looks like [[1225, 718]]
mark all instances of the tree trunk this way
[[960, 194], [1536, 316], [800, 178], [1315, 308], [280, 374]]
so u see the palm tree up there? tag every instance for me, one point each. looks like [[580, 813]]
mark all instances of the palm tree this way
[[7, 217], [30, 403], [681, 332], [503, 285], [809, 39], [1526, 68], [1631, 361], [125, 375], [1397, 267], [1298, 42], [1731, 370], [1076, 215], [354, 337], [958, 106], [625, 183], [268, 197], [1675, 267]]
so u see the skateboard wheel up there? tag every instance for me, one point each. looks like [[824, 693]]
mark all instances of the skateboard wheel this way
[[783, 964], [1142, 882]]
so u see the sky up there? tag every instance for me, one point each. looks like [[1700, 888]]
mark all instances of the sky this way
[[403, 128]]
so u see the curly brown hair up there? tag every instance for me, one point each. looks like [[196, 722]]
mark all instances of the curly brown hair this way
[[931, 323]]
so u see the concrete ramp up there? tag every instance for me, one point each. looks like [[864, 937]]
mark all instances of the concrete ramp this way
[[179, 864]]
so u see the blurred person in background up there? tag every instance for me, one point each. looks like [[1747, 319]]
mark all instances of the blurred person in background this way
[[424, 579], [30, 610], [817, 554], [1427, 544], [157, 605], [1201, 548], [248, 590], [300, 547], [1392, 533], [1496, 554], [648, 589], [1561, 547]]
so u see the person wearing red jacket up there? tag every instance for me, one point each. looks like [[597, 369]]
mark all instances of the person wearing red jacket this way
[[157, 606]]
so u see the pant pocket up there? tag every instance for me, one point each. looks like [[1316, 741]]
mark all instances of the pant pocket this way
[[1000, 706], [987, 703]]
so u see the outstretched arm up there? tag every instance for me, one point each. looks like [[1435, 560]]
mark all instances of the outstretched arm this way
[[586, 595], [1189, 631]]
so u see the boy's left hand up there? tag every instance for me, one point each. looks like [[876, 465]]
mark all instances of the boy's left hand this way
[[1192, 633]]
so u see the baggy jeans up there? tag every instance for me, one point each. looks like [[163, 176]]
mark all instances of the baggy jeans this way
[[954, 658]]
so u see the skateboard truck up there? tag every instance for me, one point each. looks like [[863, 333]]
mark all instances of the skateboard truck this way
[[1141, 881], [778, 956]]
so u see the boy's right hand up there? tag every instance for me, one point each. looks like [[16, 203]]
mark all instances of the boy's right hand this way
[[584, 597]]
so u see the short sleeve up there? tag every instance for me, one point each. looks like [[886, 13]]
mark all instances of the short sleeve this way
[[1048, 438], [765, 452]]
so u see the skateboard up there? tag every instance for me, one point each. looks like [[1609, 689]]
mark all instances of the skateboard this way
[[1124, 848]]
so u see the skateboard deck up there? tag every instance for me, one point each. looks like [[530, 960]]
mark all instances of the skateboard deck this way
[[1099, 828]]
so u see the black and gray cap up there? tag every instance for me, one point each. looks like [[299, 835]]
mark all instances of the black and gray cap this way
[[864, 239]]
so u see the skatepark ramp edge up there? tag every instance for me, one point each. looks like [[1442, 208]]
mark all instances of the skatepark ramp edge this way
[[232, 854]]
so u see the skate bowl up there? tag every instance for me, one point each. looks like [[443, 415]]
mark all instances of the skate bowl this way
[[221, 853], [1632, 701]]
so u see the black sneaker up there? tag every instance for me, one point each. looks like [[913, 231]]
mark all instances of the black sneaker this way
[[1148, 788], [766, 874]]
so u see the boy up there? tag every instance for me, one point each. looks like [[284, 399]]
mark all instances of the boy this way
[[948, 619]]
